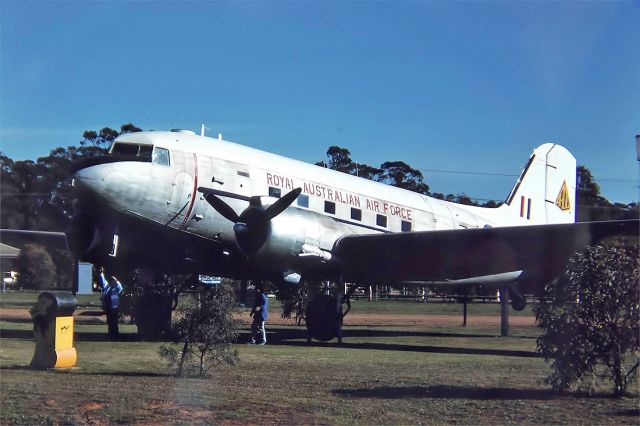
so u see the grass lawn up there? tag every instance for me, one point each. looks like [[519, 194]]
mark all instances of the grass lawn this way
[[16, 299], [380, 375], [26, 299]]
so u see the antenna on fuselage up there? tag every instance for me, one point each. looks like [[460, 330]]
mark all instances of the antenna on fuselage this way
[[202, 128], [219, 136]]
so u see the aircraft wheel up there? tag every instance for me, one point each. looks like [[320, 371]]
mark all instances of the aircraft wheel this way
[[518, 302], [323, 316]]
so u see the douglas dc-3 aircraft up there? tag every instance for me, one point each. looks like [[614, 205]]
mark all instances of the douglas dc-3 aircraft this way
[[177, 202]]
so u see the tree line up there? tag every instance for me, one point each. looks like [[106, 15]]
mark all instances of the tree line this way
[[592, 205]]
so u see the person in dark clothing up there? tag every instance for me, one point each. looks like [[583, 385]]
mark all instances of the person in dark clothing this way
[[111, 290], [259, 314]]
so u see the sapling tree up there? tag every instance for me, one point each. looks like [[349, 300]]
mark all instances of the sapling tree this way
[[590, 317], [204, 333]]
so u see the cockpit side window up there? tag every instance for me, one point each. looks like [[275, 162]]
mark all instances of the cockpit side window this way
[[145, 152], [160, 156]]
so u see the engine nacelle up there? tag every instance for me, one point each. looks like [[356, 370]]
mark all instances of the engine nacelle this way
[[287, 233], [89, 239]]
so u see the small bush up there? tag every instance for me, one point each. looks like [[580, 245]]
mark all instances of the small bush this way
[[35, 268], [203, 334]]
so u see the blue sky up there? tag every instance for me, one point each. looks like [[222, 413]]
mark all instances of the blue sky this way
[[461, 86]]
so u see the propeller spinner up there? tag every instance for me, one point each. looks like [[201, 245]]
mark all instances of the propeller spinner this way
[[253, 225]]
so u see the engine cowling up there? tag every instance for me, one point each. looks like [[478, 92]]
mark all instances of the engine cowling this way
[[88, 239]]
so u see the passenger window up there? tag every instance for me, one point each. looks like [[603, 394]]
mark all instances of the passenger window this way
[[160, 157], [356, 214], [303, 200], [406, 226], [381, 220], [330, 207], [274, 192]]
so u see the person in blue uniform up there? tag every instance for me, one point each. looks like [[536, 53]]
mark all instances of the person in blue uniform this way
[[259, 314], [111, 290]]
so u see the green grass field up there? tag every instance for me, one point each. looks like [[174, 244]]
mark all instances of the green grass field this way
[[380, 375], [27, 299]]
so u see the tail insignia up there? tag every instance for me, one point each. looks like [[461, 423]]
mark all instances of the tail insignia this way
[[563, 200]]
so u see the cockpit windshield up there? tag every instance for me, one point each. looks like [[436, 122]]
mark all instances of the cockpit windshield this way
[[141, 152]]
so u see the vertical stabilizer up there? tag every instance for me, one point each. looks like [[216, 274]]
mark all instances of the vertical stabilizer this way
[[546, 189]]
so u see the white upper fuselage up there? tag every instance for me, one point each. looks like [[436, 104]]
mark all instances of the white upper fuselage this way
[[247, 171]]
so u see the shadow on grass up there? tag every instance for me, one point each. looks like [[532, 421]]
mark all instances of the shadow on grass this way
[[635, 412], [78, 371], [474, 393], [297, 337], [449, 392], [300, 333], [417, 348], [124, 374], [80, 336]]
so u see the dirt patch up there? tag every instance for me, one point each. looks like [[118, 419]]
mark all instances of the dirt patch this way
[[80, 315], [157, 412], [90, 406], [356, 319], [49, 403], [426, 320]]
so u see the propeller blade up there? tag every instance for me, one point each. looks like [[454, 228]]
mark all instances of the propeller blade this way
[[279, 206], [221, 207]]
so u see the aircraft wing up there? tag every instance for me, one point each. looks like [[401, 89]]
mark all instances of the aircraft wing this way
[[19, 237], [463, 253]]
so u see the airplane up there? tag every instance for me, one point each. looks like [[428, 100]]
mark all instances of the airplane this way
[[178, 202]]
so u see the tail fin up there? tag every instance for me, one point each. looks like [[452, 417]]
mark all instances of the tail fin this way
[[546, 189]]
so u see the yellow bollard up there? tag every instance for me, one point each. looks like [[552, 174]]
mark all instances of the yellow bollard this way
[[53, 330]]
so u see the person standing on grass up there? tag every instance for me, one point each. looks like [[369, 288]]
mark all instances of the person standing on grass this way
[[111, 290], [259, 314]]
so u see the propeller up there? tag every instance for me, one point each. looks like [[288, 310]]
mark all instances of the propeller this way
[[253, 225]]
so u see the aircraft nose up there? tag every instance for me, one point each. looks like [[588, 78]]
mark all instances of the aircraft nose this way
[[89, 180]]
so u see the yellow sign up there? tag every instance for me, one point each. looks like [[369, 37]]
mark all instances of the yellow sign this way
[[66, 355], [564, 199]]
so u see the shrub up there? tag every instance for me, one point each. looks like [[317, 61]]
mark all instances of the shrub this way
[[206, 330], [592, 317]]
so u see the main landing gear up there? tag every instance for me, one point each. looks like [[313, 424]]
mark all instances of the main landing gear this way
[[324, 316], [518, 302]]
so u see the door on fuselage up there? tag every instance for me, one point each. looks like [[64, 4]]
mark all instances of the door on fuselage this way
[[224, 176], [179, 205], [444, 217]]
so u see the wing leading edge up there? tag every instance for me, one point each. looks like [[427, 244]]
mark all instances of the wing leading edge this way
[[19, 237], [464, 253]]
